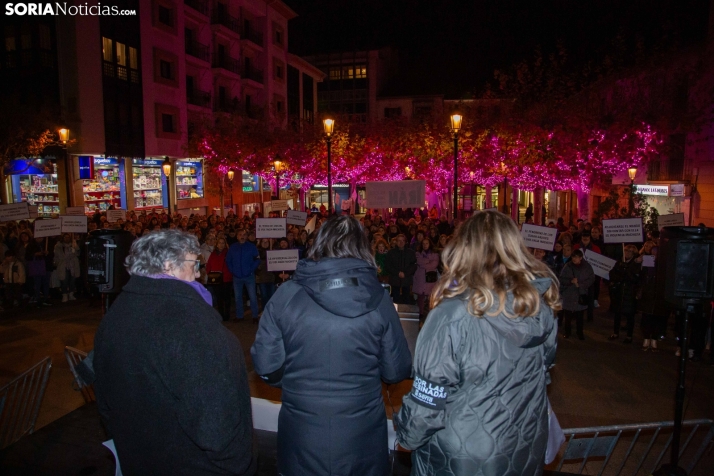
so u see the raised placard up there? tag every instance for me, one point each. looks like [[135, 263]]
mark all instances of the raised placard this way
[[270, 228], [114, 215], [14, 211], [51, 227], [282, 260], [74, 224], [622, 230], [601, 264], [675, 219], [396, 194], [648, 261], [74, 211], [296, 218], [540, 237], [278, 205]]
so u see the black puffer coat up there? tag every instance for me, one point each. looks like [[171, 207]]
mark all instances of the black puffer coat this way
[[335, 333], [478, 405], [625, 283]]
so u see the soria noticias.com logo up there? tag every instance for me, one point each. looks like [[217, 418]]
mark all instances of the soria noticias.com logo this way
[[65, 9]]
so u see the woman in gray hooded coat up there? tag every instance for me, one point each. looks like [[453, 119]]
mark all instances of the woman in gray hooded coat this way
[[478, 405]]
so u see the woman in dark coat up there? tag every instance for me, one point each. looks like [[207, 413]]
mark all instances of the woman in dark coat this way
[[624, 284], [329, 337], [654, 307], [575, 279]]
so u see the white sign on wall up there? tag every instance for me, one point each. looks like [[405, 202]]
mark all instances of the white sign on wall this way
[[270, 228], [14, 211], [675, 219], [676, 190], [48, 228], [74, 224], [296, 218], [601, 264], [622, 230], [654, 190], [114, 215], [282, 260], [540, 237], [397, 194]]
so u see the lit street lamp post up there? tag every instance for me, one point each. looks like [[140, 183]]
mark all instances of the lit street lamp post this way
[[632, 172], [329, 125], [166, 167], [277, 164], [455, 127], [231, 174]]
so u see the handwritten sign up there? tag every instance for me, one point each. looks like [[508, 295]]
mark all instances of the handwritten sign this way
[[270, 228], [540, 237], [282, 260], [115, 215], [14, 211], [74, 224], [675, 219], [396, 194], [74, 211], [601, 264], [622, 230], [278, 205], [48, 228], [296, 218]]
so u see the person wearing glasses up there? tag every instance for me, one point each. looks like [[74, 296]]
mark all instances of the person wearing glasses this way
[[171, 382]]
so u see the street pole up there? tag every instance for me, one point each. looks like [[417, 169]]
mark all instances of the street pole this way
[[277, 185], [329, 175], [456, 175], [222, 184], [632, 198]]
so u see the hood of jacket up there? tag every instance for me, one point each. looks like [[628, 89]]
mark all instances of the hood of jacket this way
[[529, 331], [346, 287]]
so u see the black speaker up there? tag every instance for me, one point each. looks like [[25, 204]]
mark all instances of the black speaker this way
[[685, 264], [106, 252]]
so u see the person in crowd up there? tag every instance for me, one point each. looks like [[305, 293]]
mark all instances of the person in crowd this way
[[490, 333], [208, 246], [66, 260], [575, 280], [583, 245], [444, 227], [417, 240], [655, 309], [433, 237], [24, 241], [380, 258], [264, 278], [243, 259], [39, 268], [426, 275], [443, 241], [329, 337], [219, 278], [171, 381], [624, 281], [401, 264], [13, 273]]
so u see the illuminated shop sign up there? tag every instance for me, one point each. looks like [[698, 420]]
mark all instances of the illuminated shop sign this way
[[656, 190]]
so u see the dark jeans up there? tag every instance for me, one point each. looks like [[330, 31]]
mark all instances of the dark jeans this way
[[653, 326], [266, 292], [630, 323], [221, 299], [569, 316], [402, 295], [593, 293], [42, 285]]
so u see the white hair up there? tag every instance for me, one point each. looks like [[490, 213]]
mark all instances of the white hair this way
[[150, 252]]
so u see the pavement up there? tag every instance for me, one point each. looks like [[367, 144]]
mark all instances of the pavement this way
[[595, 382]]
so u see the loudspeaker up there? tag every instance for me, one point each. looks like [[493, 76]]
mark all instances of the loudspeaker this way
[[106, 252], [685, 264]]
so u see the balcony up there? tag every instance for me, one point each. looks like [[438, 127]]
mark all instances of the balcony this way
[[232, 23], [197, 50], [227, 63], [253, 74], [198, 5], [198, 97], [252, 36], [225, 105], [669, 170]]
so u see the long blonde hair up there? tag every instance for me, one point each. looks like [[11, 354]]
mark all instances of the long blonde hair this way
[[487, 258]]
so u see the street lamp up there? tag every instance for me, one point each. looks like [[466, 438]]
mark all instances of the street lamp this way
[[166, 167], [231, 175], [329, 125], [64, 135], [473, 209], [632, 172], [277, 164], [455, 128]]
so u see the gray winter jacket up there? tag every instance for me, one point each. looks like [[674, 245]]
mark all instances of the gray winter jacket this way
[[478, 404], [569, 292]]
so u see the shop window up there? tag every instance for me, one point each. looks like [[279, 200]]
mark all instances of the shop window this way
[[189, 179], [107, 51]]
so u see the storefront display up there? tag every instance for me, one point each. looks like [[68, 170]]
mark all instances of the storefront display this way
[[189, 179], [106, 187], [150, 187], [35, 182]]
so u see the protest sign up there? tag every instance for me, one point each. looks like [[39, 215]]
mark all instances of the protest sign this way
[[310, 226], [648, 261], [48, 228], [601, 264], [74, 211], [270, 228], [346, 204], [540, 237], [282, 260], [114, 215], [33, 211], [296, 218], [675, 219], [74, 224], [397, 194], [14, 211], [278, 205], [622, 230]]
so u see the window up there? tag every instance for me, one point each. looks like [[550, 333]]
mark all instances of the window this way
[[347, 72], [165, 15], [121, 54], [107, 52], [278, 36], [335, 72], [360, 71], [278, 69], [165, 68], [189, 84], [133, 58], [167, 123]]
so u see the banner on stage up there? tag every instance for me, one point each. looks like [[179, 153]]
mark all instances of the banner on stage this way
[[114, 215], [45, 228], [74, 211], [282, 260], [14, 211], [622, 230], [270, 228], [296, 218], [278, 205], [675, 219], [601, 264], [74, 224], [397, 194], [540, 237]]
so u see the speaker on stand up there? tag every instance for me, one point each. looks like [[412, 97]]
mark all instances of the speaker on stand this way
[[106, 252]]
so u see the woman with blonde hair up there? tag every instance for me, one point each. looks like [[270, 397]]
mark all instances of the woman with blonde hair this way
[[478, 404]]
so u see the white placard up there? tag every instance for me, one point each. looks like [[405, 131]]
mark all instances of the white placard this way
[[278, 205], [282, 260], [397, 194], [270, 228], [114, 215], [310, 226], [540, 237], [74, 224], [675, 219], [14, 211], [74, 211], [676, 190], [48, 228], [648, 261], [622, 230], [601, 264], [296, 218], [33, 211]]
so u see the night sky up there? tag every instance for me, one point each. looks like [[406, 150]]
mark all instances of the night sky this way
[[453, 46]]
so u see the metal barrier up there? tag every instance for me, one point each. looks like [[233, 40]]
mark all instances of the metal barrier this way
[[22, 397], [74, 357], [619, 450]]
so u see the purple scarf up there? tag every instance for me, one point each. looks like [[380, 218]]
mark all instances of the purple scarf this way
[[200, 288]]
